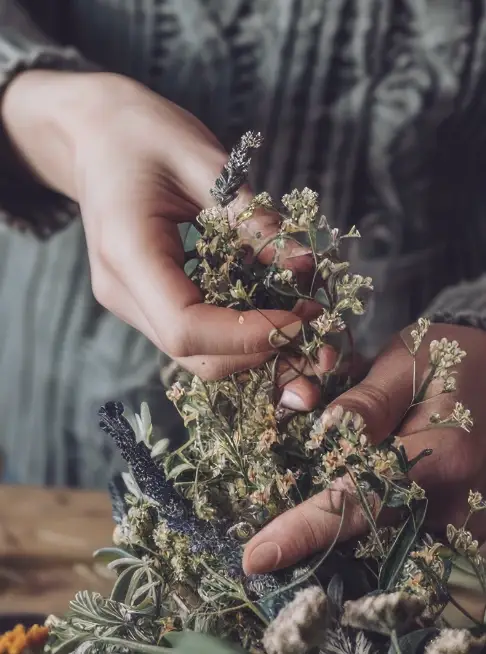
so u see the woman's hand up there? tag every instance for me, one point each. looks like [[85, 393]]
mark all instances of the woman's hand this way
[[138, 166], [457, 463]]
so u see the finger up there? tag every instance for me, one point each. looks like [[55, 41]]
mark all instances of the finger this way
[[259, 231], [298, 392], [384, 395], [308, 528], [174, 307]]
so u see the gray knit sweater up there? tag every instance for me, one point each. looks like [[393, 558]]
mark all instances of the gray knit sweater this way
[[379, 105]]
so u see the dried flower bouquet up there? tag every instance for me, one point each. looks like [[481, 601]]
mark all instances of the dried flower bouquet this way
[[182, 517]]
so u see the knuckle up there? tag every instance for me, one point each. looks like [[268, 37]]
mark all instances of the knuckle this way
[[372, 402], [177, 344]]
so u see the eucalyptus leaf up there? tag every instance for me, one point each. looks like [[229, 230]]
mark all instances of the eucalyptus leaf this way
[[321, 297], [189, 236], [405, 540], [190, 266], [414, 642], [322, 240]]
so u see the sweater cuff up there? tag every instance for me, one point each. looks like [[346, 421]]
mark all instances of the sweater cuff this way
[[25, 203], [463, 304], [462, 318]]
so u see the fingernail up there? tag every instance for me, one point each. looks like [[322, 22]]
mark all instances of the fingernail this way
[[265, 557], [283, 336], [292, 401]]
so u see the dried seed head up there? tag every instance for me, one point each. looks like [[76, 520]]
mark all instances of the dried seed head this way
[[299, 626], [443, 355], [419, 332], [455, 641], [383, 613], [476, 501]]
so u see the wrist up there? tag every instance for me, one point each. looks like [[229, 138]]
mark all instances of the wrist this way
[[46, 114]]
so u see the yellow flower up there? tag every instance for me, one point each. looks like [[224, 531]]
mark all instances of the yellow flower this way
[[19, 639]]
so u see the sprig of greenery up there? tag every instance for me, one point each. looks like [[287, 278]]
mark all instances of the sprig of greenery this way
[[246, 461]]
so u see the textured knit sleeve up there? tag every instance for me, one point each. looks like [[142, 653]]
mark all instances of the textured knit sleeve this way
[[23, 202], [464, 304]]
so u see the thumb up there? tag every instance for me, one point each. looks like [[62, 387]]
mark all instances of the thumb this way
[[381, 398], [310, 527]]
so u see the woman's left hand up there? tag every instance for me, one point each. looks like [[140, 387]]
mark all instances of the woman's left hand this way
[[457, 463]]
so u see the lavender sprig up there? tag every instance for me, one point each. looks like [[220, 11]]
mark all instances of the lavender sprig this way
[[210, 538], [235, 172]]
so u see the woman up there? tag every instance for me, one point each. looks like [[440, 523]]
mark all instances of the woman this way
[[376, 105]]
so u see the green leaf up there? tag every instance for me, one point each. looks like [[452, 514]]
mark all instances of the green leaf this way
[[67, 646], [190, 266], [160, 448], [402, 545], [122, 584], [323, 240], [110, 554], [134, 585], [177, 470], [189, 642], [189, 236], [414, 642], [302, 238], [118, 564], [321, 297]]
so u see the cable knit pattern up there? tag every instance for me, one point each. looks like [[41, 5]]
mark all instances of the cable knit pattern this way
[[380, 106]]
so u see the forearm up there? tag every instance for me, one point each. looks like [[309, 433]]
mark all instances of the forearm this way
[[34, 114], [47, 115]]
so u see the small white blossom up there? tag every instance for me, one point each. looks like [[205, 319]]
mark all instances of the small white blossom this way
[[443, 355], [418, 333]]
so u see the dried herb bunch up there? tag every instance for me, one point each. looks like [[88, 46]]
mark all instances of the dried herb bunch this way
[[182, 517]]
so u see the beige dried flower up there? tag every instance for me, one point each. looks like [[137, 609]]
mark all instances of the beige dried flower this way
[[455, 641], [461, 416], [415, 492], [462, 541], [284, 276], [476, 501], [299, 626], [267, 438], [176, 392], [443, 355], [418, 333], [285, 483], [328, 321], [383, 613], [302, 207], [449, 384]]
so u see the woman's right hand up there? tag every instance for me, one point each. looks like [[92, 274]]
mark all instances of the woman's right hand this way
[[138, 165]]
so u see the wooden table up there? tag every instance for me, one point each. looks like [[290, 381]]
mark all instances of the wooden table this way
[[47, 538]]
